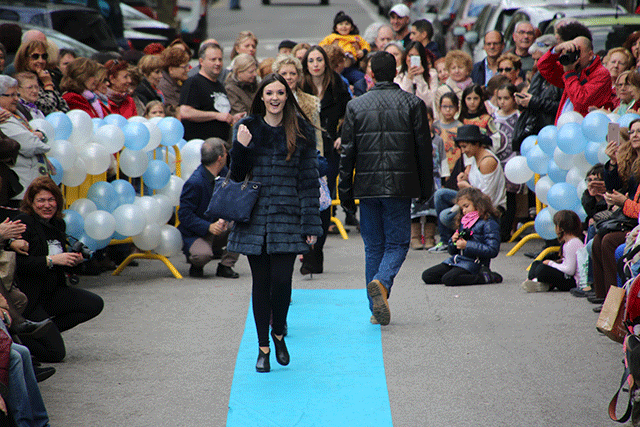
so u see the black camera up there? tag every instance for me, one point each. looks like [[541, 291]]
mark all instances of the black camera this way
[[569, 58], [82, 249]]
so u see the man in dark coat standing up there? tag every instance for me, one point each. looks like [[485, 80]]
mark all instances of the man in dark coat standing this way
[[200, 236], [386, 139]]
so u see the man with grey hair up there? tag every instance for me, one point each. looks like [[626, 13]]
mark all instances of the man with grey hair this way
[[203, 238], [523, 37], [204, 105], [385, 35]]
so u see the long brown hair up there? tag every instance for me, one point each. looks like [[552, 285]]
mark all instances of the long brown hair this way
[[289, 116], [21, 60], [42, 183], [480, 201], [327, 78], [628, 157]]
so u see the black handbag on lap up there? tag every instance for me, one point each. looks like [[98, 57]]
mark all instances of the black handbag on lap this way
[[233, 201], [618, 221]]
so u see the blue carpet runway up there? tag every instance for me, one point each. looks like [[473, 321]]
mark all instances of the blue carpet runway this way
[[336, 376]]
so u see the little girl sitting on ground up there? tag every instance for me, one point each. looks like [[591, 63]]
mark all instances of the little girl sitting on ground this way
[[472, 246], [546, 275]]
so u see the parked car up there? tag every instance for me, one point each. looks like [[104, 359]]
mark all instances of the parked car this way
[[541, 16], [137, 21], [607, 31], [192, 15], [84, 24]]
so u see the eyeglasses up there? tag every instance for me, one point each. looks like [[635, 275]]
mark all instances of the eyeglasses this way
[[623, 84], [528, 33], [50, 200], [36, 56], [11, 95], [448, 107], [505, 70]]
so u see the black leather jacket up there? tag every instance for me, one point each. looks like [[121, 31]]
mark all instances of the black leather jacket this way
[[386, 139]]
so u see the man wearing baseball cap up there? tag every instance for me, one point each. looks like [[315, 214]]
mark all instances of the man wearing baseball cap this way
[[399, 19]]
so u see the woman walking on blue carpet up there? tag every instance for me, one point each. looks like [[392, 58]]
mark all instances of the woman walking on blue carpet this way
[[276, 145]]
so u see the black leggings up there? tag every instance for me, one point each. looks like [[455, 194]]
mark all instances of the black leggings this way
[[551, 276], [67, 307], [449, 275], [271, 293]]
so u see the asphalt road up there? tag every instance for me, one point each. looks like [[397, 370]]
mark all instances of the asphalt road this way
[[163, 352]]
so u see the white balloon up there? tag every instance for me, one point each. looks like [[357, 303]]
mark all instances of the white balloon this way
[[149, 238], [65, 152], [99, 225], [130, 220], [155, 136], [82, 127], [613, 117], [45, 127], [166, 208], [96, 159], [170, 241], [562, 159], [155, 120], [150, 208], [602, 156], [133, 163], [190, 153], [76, 174], [542, 188], [569, 117], [173, 189], [581, 187], [83, 206], [111, 137], [581, 162], [517, 170], [137, 119], [574, 176]]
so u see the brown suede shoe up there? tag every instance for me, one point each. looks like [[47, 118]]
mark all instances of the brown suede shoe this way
[[378, 294]]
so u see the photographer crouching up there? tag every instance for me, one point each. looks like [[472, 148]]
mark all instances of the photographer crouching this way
[[573, 66], [41, 265]]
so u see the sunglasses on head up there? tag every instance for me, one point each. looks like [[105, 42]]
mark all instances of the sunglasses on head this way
[[36, 56], [505, 70]]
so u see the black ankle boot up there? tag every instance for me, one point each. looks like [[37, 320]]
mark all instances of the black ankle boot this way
[[282, 354], [262, 365]]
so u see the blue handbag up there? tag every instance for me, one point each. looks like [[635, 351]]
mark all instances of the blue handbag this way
[[233, 201]]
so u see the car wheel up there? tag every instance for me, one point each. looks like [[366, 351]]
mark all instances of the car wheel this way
[[266, 2]]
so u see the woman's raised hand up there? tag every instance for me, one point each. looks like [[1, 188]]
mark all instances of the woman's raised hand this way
[[244, 136]]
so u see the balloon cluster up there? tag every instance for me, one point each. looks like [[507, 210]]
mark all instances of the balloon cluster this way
[[562, 155], [81, 145]]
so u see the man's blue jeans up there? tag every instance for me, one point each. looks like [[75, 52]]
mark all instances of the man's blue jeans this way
[[444, 200], [385, 226], [25, 401]]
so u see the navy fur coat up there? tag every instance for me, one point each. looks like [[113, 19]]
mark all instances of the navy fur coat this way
[[483, 245], [287, 209]]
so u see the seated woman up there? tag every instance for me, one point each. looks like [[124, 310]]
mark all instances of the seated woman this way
[[175, 72], [151, 68], [120, 100], [31, 161], [627, 91], [41, 264], [79, 85], [241, 85]]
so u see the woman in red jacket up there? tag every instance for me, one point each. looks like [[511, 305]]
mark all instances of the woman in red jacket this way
[[79, 85], [119, 92]]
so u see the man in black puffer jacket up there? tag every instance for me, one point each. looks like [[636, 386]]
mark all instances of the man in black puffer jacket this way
[[386, 139]]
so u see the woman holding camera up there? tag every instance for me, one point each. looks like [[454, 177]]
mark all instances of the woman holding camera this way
[[41, 263]]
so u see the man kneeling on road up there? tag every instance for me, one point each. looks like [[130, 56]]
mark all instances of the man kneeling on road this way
[[201, 237]]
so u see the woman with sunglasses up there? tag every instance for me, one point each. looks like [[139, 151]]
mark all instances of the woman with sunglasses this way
[[509, 65], [33, 56]]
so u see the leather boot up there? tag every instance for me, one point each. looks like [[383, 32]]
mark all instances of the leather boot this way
[[416, 236], [429, 235]]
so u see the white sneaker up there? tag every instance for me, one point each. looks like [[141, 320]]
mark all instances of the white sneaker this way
[[440, 247], [535, 286]]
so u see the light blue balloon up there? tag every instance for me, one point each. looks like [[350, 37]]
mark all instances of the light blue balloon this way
[[555, 173], [544, 225], [571, 139], [93, 244], [591, 152], [104, 196], [527, 144], [582, 214], [115, 119], [182, 143], [136, 136], [547, 139], [61, 123], [125, 193], [75, 223], [624, 120], [57, 177], [595, 126], [172, 131], [157, 174], [531, 184], [537, 160], [97, 123], [563, 196]]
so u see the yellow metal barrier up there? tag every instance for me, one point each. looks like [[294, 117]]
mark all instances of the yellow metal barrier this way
[[524, 226], [79, 192], [544, 253]]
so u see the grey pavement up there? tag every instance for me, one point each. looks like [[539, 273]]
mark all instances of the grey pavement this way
[[163, 351]]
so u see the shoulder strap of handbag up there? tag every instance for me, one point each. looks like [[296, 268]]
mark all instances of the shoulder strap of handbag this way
[[614, 400], [228, 178]]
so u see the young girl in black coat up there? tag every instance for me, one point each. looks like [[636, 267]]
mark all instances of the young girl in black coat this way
[[472, 246]]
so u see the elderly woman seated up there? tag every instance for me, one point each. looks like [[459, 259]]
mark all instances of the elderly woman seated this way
[[41, 263], [31, 161]]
